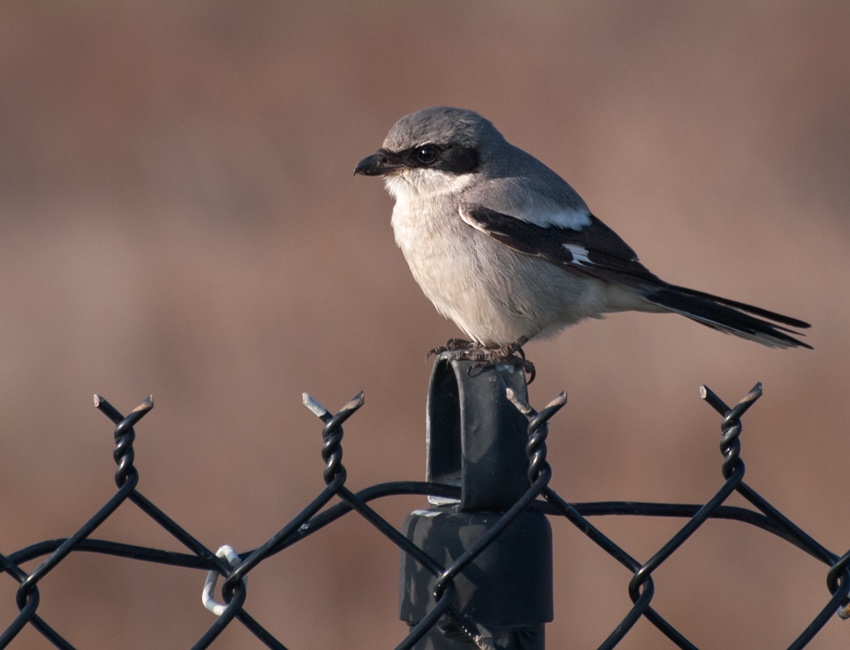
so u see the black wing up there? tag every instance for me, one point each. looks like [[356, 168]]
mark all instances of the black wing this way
[[594, 249]]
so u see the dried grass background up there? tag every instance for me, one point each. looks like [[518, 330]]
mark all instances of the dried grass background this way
[[178, 216]]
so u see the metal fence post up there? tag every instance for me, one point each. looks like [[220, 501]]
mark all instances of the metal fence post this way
[[476, 439]]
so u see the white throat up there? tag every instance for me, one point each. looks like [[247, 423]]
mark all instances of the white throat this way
[[425, 183]]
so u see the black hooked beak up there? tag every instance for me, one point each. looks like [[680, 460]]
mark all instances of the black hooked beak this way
[[380, 163]]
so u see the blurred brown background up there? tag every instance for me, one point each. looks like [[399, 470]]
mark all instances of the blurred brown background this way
[[178, 216]]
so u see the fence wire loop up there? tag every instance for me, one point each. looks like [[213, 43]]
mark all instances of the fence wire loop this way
[[332, 431], [207, 597], [124, 435], [731, 427], [538, 430]]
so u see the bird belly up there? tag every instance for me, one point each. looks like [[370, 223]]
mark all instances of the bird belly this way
[[491, 292]]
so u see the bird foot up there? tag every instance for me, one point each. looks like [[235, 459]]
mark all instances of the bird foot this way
[[512, 354], [481, 357]]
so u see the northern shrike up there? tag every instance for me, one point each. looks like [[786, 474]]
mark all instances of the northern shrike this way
[[506, 249]]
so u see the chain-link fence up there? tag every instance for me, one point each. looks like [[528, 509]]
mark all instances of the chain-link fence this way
[[476, 568]]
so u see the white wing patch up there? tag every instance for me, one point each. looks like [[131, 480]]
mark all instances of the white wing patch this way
[[569, 219], [579, 253], [572, 218]]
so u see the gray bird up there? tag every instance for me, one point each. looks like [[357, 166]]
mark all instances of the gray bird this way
[[506, 249]]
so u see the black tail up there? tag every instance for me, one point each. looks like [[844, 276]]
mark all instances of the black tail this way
[[765, 327]]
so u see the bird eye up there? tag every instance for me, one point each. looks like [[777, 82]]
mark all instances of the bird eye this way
[[426, 154]]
